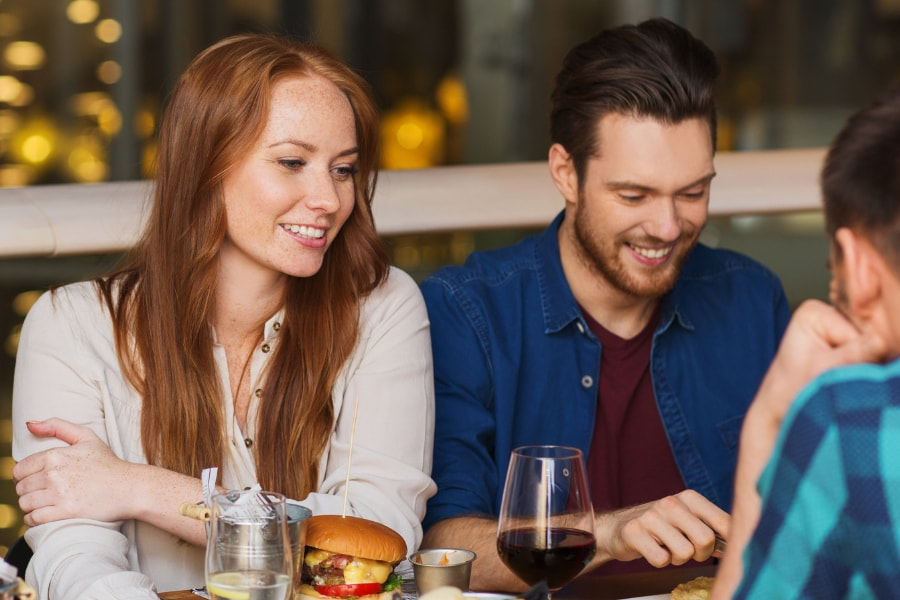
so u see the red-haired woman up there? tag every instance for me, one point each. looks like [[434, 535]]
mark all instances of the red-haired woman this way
[[256, 313]]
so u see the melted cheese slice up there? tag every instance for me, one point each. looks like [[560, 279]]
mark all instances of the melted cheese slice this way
[[362, 570], [314, 556]]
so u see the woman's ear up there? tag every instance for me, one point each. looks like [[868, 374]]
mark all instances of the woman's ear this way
[[861, 269], [562, 170]]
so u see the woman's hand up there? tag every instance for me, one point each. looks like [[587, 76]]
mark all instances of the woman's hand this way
[[82, 480]]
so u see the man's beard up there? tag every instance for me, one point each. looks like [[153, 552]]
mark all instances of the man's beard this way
[[602, 257]]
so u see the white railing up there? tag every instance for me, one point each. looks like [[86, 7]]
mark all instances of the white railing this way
[[57, 220]]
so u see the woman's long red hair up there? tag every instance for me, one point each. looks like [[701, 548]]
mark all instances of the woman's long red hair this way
[[161, 298]]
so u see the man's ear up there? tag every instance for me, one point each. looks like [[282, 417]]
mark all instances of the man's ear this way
[[562, 170], [863, 269]]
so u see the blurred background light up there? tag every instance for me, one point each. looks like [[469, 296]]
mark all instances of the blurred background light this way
[[109, 120], [87, 160], [25, 97], [35, 142], [10, 178], [413, 136], [6, 467], [109, 72], [81, 12], [108, 31], [22, 303], [9, 515], [451, 99], [10, 88], [89, 104], [144, 123], [24, 56]]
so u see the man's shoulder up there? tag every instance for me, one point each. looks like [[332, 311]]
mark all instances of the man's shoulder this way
[[728, 276], [489, 267], [709, 263]]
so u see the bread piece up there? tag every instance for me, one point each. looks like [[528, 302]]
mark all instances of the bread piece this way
[[446, 592], [695, 589]]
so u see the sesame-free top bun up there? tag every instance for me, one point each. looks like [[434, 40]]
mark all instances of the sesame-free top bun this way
[[355, 536]]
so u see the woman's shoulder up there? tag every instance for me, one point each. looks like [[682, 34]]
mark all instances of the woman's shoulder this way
[[398, 283], [78, 303], [397, 290], [80, 296]]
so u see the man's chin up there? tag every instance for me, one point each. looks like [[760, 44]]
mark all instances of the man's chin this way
[[649, 286]]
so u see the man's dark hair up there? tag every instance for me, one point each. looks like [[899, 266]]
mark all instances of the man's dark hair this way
[[861, 177], [655, 69]]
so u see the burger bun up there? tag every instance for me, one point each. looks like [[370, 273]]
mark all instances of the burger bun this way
[[355, 536]]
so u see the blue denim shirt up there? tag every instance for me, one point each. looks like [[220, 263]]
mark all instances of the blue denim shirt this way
[[515, 364]]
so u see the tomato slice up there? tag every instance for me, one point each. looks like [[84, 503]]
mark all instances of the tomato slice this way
[[348, 589]]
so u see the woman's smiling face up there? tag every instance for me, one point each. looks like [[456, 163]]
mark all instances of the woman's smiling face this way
[[288, 197]]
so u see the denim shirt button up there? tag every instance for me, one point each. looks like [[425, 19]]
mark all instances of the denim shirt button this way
[[587, 381], [579, 326]]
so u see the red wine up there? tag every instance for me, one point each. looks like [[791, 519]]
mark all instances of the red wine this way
[[556, 555]]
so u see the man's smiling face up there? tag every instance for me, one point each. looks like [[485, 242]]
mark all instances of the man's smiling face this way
[[643, 201]]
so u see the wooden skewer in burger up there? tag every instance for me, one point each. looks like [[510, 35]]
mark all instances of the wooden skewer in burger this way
[[350, 557]]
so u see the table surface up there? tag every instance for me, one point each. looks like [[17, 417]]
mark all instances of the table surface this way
[[632, 585], [588, 587]]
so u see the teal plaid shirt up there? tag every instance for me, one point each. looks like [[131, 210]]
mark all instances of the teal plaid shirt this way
[[830, 522]]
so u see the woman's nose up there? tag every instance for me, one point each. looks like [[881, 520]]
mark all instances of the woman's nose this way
[[323, 194]]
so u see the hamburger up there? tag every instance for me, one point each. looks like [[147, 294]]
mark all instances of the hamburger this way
[[350, 557]]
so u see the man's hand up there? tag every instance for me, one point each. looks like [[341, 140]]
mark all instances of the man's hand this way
[[74, 481], [672, 530]]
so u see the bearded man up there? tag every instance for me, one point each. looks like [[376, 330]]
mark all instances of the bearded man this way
[[614, 330]]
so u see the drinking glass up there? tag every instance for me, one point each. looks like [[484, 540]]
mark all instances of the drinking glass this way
[[546, 526], [248, 551]]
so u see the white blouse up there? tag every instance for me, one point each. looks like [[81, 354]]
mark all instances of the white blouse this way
[[67, 367]]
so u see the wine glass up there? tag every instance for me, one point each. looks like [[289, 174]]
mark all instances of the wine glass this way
[[248, 551], [546, 526]]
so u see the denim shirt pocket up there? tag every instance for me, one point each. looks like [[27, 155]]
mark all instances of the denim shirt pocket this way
[[730, 432]]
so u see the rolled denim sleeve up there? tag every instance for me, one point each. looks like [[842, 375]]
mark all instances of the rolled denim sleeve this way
[[465, 429]]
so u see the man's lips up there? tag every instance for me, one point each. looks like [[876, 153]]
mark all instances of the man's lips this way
[[650, 255]]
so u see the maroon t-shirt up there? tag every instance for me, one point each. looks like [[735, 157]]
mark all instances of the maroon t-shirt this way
[[630, 461]]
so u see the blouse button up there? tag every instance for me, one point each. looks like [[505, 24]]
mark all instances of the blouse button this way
[[587, 381], [258, 392], [276, 326], [265, 347], [248, 442]]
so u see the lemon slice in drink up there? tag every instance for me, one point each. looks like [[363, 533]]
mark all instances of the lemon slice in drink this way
[[224, 585]]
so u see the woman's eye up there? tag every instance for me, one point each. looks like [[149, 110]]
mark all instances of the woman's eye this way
[[291, 163], [345, 172]]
